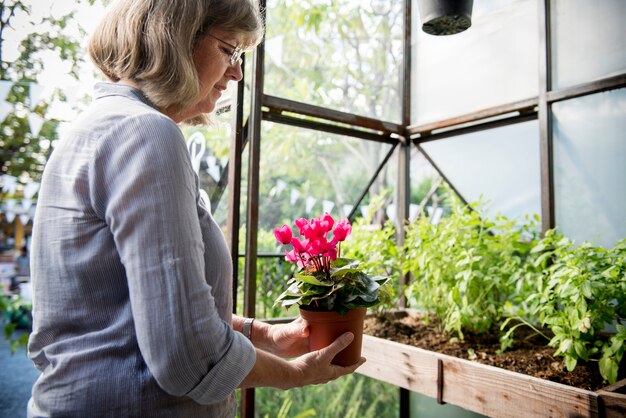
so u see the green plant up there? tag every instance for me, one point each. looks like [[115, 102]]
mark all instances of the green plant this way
[[349, 396], [466, 267], [378, 253], [271, 274], [579, 293], [327, 281]]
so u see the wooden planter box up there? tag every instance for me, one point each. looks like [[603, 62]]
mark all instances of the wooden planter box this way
[[484, 389]]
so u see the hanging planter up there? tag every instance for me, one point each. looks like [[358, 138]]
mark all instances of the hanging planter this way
[[445, 17]]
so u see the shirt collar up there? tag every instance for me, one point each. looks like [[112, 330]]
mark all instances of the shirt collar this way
[[104, 89]]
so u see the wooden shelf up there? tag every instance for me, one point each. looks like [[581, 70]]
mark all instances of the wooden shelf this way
[[484, 389]]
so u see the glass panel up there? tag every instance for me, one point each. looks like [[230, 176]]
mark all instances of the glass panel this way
[[343, 55], [588, 40], [491, 63], [209, 148], [305, 173], [427, 188], [500, 165], [590, 167], [349, 396]]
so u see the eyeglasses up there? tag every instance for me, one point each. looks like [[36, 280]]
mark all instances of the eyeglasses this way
[[234, 56]]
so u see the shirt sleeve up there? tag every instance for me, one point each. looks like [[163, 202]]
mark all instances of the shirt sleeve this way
[[144, 187]]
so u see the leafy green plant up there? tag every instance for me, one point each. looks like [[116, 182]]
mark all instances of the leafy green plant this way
[[475, 274], [579, 293], [466, 267]]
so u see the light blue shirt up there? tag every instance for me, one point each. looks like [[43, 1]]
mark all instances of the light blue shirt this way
[[132, 286]]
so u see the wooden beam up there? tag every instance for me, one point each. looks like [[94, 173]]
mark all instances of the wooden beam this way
[[613, 400], [334, 129], [428, 136], [522, 106], [280, 105], [252, 209], [609, 83]]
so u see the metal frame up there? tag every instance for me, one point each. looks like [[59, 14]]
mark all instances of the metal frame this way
[[545, 123], [279, 110]]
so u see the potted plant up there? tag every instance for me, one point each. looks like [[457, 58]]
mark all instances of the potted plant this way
[[333, 293]]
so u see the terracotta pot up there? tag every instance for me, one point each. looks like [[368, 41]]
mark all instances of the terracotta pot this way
[[325, 327]]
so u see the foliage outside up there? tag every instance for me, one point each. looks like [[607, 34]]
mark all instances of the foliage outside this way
[[23, 154], [15, 314], [353, 396]]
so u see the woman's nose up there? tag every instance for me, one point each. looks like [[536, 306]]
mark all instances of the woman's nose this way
[[235, 72]]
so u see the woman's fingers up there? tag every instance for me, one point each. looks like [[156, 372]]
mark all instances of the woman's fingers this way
[[316, 367], [339, 344], [289, 340]]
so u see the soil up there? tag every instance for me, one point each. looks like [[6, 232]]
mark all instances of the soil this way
[[528, 356]]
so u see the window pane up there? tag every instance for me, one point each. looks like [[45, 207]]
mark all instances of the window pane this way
[[491, 63], [589, 40], [209, 151], [305, 173], [501, 165], [343, 55], [590, 167]]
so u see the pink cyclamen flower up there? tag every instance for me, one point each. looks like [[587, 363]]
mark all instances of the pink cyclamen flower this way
[[342, 230], [300, 245], [314, 230], [320, 246], [302, 224], [332, 254], [292, 257], [326, 222], [283, 234]]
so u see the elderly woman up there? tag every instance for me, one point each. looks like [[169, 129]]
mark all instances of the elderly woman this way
[[131, 275]]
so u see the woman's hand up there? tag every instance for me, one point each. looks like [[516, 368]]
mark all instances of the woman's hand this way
[[315, 367], [308, 369], [289, 340]]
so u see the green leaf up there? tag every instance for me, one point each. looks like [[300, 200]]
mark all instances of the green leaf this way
[[289, 302], [308, 278], [608, 369], [586, 289], [570, 363], [9, 329], [345, 262], [581, 351]]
